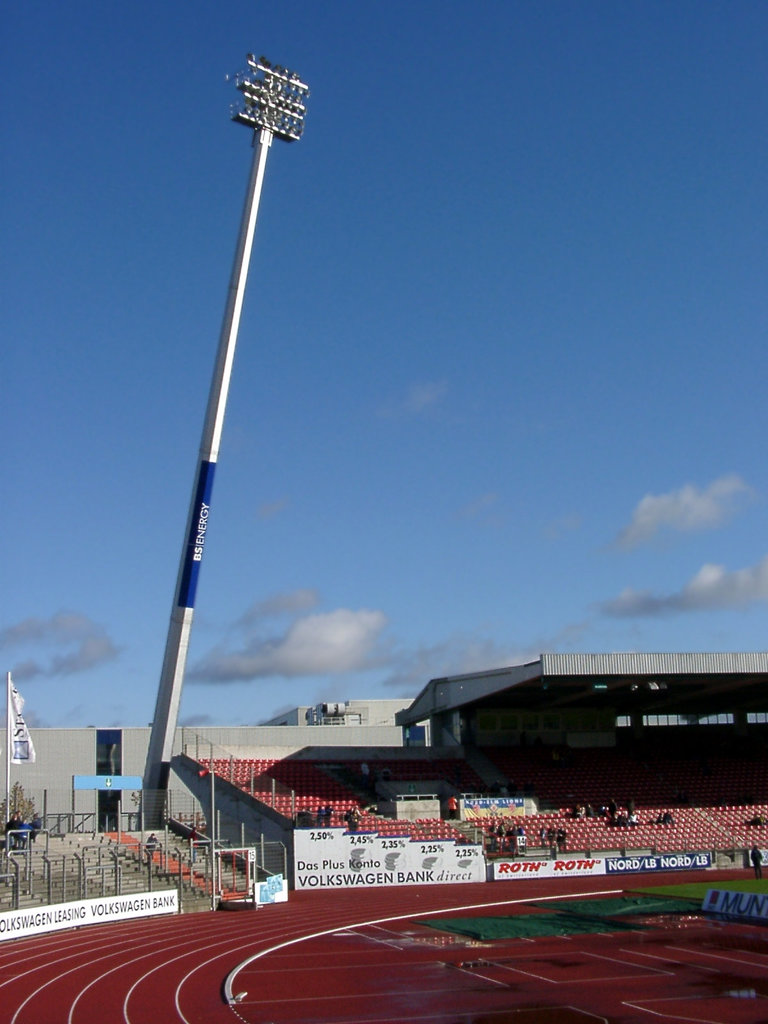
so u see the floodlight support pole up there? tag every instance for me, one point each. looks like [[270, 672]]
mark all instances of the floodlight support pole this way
[[160, 750]]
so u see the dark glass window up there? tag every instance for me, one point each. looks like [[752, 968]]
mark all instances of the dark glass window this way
[[109, 751]]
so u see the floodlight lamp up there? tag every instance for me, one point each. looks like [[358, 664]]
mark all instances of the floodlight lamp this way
[[273, 99]]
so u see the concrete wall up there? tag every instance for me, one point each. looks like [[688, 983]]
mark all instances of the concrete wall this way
[[371, 712], [281, 740], [64, 753]]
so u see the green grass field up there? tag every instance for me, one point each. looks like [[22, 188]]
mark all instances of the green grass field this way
[[698, 890], [584, 916]]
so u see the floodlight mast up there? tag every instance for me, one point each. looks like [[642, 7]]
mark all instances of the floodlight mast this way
[[273, 105]]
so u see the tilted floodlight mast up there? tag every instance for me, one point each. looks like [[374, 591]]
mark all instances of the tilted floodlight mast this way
[[273, 105]]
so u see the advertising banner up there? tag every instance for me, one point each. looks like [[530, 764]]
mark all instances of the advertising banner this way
[[567, 867], [658, 862], [563, 867], [14, 924], [752, 905], [332, 858], [493, 807]]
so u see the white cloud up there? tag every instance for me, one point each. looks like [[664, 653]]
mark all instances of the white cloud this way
[[713, 587], [423, 396], [556, 529], [685, 510], [282, 604], [418, 399], [78, 644], [485, 510], [271, 509], [411, 670], [62, 627], [324, 643]]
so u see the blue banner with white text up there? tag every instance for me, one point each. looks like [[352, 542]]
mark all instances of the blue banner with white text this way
[[658, 862], [198, 529]]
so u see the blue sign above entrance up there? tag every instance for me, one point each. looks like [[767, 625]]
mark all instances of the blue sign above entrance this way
[[106, 782]]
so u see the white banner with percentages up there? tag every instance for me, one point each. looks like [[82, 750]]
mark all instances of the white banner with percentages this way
[[333, 858]]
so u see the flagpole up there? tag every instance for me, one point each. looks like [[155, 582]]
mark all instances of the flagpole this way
[[8, 746]]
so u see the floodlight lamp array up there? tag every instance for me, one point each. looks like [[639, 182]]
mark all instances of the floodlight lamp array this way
[[273, 98]]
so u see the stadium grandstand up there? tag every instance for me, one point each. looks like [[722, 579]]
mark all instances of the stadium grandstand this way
[[595, 755]]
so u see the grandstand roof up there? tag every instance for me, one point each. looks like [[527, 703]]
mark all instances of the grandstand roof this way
[[628, 683]]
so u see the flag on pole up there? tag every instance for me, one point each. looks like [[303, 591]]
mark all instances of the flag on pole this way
[[22, 749]]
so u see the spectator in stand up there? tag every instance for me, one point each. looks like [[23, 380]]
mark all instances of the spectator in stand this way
[[612, 809], [25, 833], [151, 846], [452, 808], [499, 830], [352, 818], [756, 856], [543, 835], [491, 841], [37, 826], [561, 837], [511, 839], [11, 839], [328, 814]]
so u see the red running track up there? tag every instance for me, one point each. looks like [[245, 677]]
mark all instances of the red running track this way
[[354, 956]]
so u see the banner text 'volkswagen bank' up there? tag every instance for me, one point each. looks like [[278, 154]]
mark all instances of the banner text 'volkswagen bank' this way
[[334, 859]]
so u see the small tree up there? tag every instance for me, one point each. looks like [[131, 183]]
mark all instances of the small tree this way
[[22, 806]]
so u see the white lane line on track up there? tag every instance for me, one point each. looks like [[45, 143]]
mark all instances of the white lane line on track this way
[[670, 959], [199, 937], [425, 1018], [722, 956], [126, 943], [669, 1013], [53, 981], [227, 942], [229, 983]]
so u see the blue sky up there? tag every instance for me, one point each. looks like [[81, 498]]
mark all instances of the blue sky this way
[[500, 379]]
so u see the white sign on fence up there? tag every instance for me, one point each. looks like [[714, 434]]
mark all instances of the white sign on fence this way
[[565, 867], [15, 924], [273, 890], [737, 904], [332, 858]]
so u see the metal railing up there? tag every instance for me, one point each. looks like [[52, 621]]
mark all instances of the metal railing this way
[[12, 878]]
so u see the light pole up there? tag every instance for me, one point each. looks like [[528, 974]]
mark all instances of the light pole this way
[[273, 105]]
